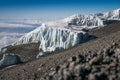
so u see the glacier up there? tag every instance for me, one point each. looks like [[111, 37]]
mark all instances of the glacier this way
[[52, 38], [68, 32], [112, 15]]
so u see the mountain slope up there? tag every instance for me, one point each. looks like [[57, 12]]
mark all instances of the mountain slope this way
[[41, 67], [66, 33], [61, 34]]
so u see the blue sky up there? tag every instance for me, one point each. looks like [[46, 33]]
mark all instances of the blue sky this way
[[53, 9]]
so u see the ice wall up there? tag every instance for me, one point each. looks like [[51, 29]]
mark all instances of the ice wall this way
[[53, 38]]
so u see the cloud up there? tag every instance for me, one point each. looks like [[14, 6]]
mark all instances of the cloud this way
[[11, 25], [8, 38], [12, 29]]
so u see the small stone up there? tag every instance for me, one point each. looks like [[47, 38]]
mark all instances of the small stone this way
[[88, 59], [38, 69], [50, 78], [57, 68], [60, 78], [66, 74], [66, 77], [60, 72], [92, 77], [53, 73], [114, 44], [83, 72], [95, 60], [65, 65], [88, 67], [78, 78], [111, 52], [101, 76], [113, 70], [77, 70], [117, 51], [73, 58], [106, 60], [41, 65], [95, 70], [112, 77], [113, 64], [79, 59], [93, 54], [72, 65], [105, 51], [100, 52]]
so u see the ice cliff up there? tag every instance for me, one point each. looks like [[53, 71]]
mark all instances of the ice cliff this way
[[53, 38]]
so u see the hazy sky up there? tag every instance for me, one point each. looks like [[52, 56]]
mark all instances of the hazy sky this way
[[53, 9]]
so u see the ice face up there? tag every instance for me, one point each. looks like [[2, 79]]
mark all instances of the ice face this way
[[52, 38], [84, 20], [112, 15]]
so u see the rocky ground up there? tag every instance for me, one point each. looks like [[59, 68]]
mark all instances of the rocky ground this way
[[101, 65], [94, 56]]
